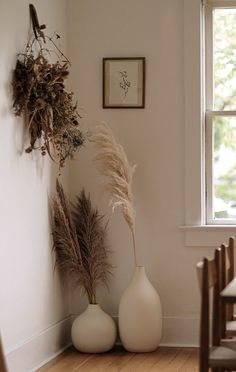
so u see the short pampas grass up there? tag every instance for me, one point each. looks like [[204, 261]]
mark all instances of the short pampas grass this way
[[91, 233], [79, 242], [112, 163]]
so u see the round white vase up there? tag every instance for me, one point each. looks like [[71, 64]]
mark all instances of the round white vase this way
[[94, 331], [140, 315]]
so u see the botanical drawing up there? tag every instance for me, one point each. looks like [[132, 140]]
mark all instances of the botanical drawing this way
[[125, 84]]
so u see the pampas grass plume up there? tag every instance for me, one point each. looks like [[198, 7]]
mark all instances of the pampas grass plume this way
[[112, 162], [79, 242]]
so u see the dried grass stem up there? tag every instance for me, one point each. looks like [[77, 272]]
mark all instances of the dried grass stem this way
[[79, 237], [112, 162]]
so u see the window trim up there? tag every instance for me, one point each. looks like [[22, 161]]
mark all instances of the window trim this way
[[196, 232], [219, 3], [194, 115], [210, 113]]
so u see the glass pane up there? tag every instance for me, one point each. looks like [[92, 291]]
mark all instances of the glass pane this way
[[224, 167], [224, 59]]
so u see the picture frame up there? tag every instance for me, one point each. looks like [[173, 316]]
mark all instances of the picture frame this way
[[124, 82]]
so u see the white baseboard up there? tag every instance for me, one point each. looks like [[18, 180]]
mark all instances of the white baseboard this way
[[177, 332], [38, 350], [180, 332]]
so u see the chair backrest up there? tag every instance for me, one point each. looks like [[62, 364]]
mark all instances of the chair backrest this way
[[224, 270], [228, 261], [209, 272], [227, 274], [230, 252]]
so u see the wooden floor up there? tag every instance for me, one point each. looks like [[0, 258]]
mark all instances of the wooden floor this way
[[164, 359]]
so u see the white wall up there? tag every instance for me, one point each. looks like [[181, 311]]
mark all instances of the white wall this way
[[153, 138], [33, 313]]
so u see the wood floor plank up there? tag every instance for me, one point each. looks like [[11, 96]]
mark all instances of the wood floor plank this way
[[144, 361], [68, 361], [154, 358], [149, 361], [119, 362], [134, 363], [98, 363], [192, 363], [52, 363], [164, 362], [176, 364], [164, 359]]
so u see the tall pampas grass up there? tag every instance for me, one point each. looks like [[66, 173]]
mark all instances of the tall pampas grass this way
[[79, 242], [112, 163]]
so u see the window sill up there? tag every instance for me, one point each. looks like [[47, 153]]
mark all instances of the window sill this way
[[207, 235]]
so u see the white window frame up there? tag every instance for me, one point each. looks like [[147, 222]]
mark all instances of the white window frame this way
[[194, 114], [210, 113], [197, 232]]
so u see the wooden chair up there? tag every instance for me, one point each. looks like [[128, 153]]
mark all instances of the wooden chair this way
[[3, 367], [227, 275], [217, 357], [229, 271]]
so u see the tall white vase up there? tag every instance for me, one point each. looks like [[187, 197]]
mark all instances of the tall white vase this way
[[140, 314], [94, 331]]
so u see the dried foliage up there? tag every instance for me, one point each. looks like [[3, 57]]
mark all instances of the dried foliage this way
[[68, 257], [40, 96], [79, 242], [112, 163], [91, 233]]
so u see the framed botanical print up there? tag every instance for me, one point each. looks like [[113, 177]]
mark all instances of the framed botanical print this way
[[124, 82]]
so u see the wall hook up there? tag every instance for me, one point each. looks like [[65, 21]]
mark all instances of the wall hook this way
[[35, 23]]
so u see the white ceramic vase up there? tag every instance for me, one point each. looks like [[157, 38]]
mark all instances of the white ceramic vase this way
[[140, 315], [94, 331]]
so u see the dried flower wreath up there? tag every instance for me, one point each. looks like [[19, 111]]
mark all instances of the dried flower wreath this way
[[40, 96]]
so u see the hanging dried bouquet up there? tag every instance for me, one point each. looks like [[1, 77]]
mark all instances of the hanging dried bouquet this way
[[40, 96]]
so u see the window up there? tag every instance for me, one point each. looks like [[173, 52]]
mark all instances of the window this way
[[197, 229], [220, 113]]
